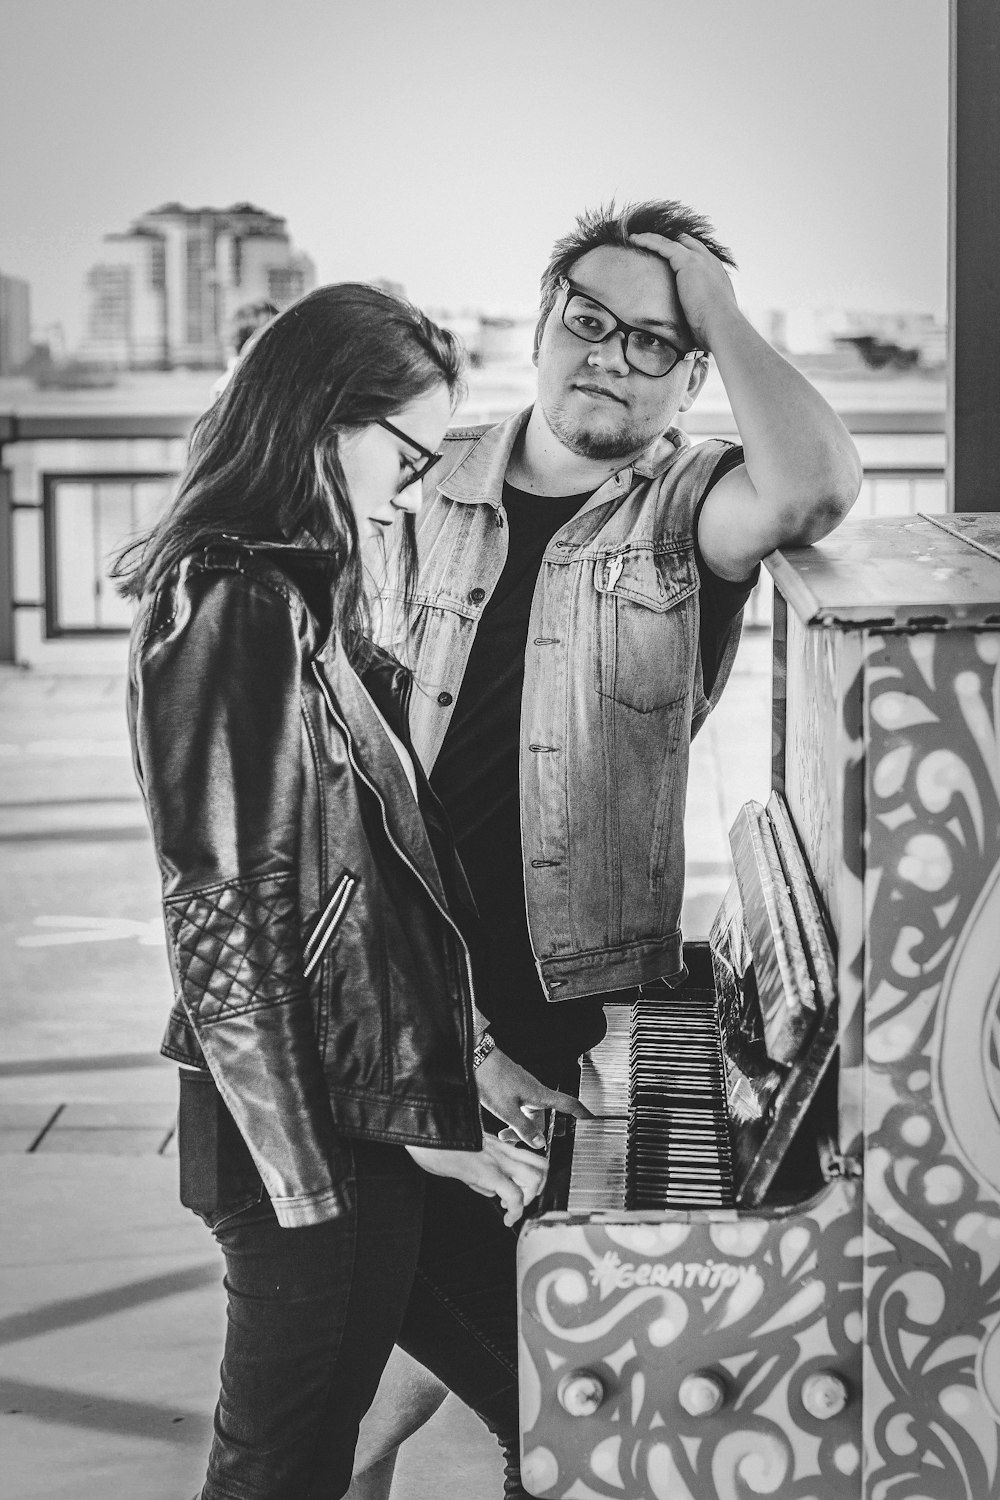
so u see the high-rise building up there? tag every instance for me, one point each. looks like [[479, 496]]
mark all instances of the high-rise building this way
[[15, 324], [166, 290]]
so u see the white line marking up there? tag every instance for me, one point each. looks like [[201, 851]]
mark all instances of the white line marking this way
[[69, 749], [67, 930]]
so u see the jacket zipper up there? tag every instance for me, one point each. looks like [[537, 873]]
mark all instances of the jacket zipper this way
[[329, 921], [317, 673]]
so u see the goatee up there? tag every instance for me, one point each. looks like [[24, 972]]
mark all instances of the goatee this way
[[622, 442]]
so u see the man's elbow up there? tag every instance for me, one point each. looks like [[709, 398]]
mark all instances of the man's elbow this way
[[810, 518]]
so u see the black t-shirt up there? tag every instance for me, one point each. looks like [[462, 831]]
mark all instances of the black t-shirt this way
[[476, 777]]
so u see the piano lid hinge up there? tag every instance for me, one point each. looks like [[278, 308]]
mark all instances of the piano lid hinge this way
[[834, 1164]]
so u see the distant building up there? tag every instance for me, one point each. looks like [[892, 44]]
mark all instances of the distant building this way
[[491, 339], [15, 324], [505, 340], [165, 292], [770, 322], [820, 330]]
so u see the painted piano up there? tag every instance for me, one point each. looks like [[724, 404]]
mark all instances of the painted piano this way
[[771, 1266]]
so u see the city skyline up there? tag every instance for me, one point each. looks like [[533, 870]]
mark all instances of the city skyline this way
[[444, 148], [126, 297], [128, 293], [167, 289]]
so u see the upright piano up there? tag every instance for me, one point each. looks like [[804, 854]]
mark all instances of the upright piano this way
[[771, 1264]]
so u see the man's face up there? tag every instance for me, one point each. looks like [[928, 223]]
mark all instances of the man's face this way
[[593, 402]]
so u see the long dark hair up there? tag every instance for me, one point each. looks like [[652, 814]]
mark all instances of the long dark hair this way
[[263, 461]]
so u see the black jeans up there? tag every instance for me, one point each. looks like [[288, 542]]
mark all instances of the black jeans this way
[[313, 1313]]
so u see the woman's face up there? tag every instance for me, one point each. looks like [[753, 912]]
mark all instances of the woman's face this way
[[379, 464]]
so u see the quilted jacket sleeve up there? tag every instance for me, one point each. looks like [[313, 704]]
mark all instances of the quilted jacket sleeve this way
[[219, 745]]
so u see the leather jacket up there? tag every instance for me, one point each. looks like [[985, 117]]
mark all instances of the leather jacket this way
[[318, 922]]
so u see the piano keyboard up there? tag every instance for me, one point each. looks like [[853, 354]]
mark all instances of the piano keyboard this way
[[657, 1086]]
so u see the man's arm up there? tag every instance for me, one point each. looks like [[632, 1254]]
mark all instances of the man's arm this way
[[802, 473]]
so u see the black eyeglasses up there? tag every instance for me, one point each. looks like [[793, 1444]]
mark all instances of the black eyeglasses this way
[[417, 470], [590, 320]]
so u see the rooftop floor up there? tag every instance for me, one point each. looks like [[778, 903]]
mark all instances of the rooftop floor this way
[[111, 1307]]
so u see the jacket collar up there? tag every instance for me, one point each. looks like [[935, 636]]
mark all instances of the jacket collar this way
[[376, 757], [478, 477], [380, 764], [302, 548], [661, 453]]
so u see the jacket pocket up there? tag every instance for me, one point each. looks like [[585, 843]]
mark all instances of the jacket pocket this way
[[328, 921], [647, 613], [218, 1178]]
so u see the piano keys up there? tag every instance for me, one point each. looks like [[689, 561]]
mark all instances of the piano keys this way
[[681, 1068], [657, 1086], [771, 1265]]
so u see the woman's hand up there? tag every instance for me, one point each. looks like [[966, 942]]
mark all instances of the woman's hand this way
[[499, 1171], [515, 1096]]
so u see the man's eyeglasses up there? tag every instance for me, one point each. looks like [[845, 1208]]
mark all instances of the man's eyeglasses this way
[[417, 470], [590, 320]]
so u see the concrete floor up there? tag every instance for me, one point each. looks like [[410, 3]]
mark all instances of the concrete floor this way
[[111, 1307]]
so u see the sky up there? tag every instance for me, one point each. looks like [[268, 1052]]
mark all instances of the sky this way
[[445, 144]]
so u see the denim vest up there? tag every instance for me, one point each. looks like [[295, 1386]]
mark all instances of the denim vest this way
[[612, 693]]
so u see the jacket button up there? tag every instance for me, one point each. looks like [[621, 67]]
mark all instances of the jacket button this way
[[444, 699], [477, 596]]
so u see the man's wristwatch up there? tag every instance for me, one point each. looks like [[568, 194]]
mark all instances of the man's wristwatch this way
[[483, 1047]]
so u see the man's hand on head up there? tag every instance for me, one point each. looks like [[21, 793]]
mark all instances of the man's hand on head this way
[[703, 285]]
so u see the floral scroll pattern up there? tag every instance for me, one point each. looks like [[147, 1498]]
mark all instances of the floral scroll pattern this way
[[932, 1100], [765, 1301]]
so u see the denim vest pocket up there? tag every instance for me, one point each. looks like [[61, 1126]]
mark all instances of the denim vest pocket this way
[[646, 624], [218, 1178]]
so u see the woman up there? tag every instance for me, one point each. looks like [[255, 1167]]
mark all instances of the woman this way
[[317, 919]]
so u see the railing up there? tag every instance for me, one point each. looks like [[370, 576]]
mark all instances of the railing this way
[[85, 519], [68, 480], [73, 485], [902, 492]]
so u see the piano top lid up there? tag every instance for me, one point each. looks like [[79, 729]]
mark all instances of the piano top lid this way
[[897, 572]]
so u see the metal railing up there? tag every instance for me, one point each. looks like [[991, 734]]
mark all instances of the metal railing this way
[[902, 491], [41, 571]]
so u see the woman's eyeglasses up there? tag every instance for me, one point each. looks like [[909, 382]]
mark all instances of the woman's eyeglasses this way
[[427, 458]]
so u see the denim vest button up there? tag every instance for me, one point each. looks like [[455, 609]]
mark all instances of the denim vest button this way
[[444, 699], [477, 596]]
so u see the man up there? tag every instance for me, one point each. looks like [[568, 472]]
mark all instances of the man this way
[[582, 572], [581, 580], [247, 322]]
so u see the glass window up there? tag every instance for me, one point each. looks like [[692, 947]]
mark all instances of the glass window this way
[[87, 520]]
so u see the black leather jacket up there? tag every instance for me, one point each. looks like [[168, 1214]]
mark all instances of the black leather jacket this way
[[317, 919]]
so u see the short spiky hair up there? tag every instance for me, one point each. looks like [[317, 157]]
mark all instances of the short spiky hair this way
[[609, 225]]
